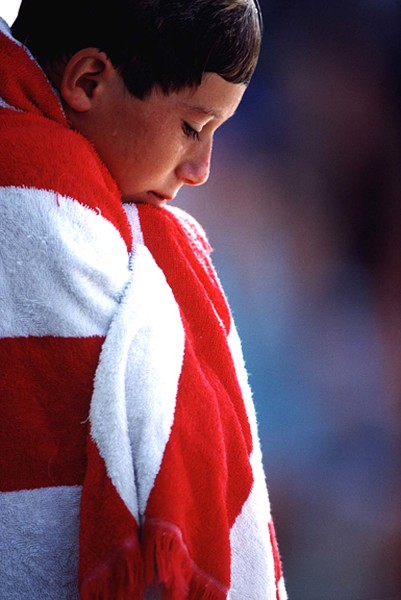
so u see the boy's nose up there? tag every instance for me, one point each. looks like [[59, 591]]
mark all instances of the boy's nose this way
[[195, 169]]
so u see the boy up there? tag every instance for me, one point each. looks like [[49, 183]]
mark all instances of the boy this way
[[130, 464]]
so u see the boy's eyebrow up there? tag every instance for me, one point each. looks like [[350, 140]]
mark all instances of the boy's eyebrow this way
[[204, 111]]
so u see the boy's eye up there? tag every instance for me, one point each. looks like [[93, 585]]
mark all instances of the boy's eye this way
[[190, 131]]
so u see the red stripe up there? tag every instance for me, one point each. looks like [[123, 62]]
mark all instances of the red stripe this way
[[205, 476], [276, 557], [14, 89], [45, 390], [205, 312], [111, 565], [184, 258]]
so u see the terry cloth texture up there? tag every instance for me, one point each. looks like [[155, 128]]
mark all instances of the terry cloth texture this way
[[130, 465]]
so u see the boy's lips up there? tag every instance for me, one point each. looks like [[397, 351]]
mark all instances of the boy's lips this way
[[151, 197], [154, 198], [161, 196]]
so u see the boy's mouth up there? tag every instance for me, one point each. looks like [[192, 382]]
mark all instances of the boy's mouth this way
[[160, 196], [154, 198]]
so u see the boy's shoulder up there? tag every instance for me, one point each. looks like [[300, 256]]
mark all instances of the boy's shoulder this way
[[36, 152]]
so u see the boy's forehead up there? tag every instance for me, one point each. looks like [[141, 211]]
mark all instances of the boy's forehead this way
[[203, 110], [214, 97]]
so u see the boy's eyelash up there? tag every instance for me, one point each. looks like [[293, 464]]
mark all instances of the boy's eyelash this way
[[190, 131]]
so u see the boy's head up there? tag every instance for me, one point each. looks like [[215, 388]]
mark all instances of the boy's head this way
[[169, 43], [146, 81]]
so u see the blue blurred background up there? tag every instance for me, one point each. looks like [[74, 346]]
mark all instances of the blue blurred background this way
[[303, 209]]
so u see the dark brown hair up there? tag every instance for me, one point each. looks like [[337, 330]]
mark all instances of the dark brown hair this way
[[168, 43]]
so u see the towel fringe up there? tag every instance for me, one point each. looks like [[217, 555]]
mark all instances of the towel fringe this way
[[118, 578], [168, 563]]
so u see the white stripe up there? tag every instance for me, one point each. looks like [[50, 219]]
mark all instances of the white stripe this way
[[63, 267], [133, 218], [39, 532], [281, 589], [136, 382], [252, 560]]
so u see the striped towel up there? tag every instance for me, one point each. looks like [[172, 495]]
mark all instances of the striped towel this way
[[130, 465]]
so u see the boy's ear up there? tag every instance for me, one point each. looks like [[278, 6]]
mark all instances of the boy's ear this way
[[83, 78]]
